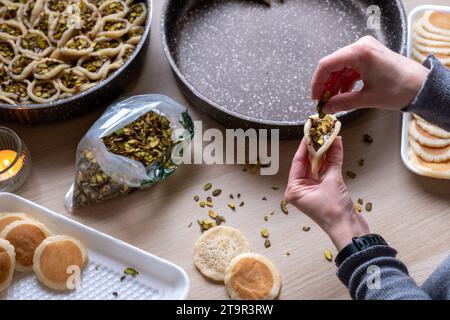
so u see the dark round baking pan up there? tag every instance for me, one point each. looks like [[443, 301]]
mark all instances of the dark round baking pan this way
[[248, 65], [97, 96]]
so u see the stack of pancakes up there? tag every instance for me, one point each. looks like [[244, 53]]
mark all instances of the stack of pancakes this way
[[429, 148], [432, 36]]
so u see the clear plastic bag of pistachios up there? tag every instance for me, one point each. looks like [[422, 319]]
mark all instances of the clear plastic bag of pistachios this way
[[136, 143]]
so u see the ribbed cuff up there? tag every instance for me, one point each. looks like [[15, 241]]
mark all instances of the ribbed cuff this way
[[433, 100]]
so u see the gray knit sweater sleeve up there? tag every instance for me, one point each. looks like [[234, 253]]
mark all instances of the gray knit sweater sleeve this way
[[433, 101]]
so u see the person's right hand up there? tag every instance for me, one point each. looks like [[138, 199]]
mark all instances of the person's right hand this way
[[391, 81]]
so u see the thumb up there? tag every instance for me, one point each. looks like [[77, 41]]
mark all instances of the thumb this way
[[348, 101], [334, 159]]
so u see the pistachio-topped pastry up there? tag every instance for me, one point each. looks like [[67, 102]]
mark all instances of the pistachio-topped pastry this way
[[72, 80], [3, 73], [35, 43], [56, 6], [16, 90], [134, 35], [113, 8], [42, 22], [11, 29], [42, 91], [21, 67], [107, 46], [114, 27], [94, 66], [49, 68], [137, 14], [8, 13], [320, 134], [7, 50]]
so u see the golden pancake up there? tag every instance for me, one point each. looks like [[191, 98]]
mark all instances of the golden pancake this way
[[58, 260], [7, 218], [215, 248], [252, 276], [419, 30], [437, 22], [430, 169], [424, 138], [431, 128], [422, 56], [430, 154], [444, 52], [25, 236], [430, 43], [7, 264]]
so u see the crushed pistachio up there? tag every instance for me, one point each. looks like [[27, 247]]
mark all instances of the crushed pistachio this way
[[266, 218], [369, 206], [18, 88], [361, 162], [196, 198], [202, 204], [207, 186], [114, 25], [130, 272], [6, 50], [231, 206], [216, 192], [20, 64], [212, 214], [209, 204], [306, 228], [267, 243], [367, 138], [220, 220], [71, 80], [241, 204], [112, 8], [189, 225], [264, 233], [94, 63], [321, 130], [283, 206], [115, 294], [206, 224], [328, 255], [272, 213], [264, 198], [275, 188], [79, 43], [134, 12], [360, 201], [351, 174], [106, 44], [239, 195], [57, 5], [11, 30], [44, 89], [46, 66], [358, 207]]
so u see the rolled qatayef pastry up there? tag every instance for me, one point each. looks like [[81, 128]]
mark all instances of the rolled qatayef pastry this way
[[320, 135]]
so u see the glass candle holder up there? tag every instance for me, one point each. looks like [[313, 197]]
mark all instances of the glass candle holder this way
[[15, 161]]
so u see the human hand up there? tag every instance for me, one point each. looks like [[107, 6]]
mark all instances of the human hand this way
[[328, 201], [391, 81]]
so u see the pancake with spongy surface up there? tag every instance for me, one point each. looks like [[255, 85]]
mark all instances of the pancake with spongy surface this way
[[25, 236], [431, 169], [424, 138], [430, 154], [431, 128], [252, 276], [215, 249], [7, 264], [421, 31], [57, 260], [7, 218], [437, 22]]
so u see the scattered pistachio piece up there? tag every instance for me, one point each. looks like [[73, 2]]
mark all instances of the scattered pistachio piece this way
[[264, 233], [202, 204], [272, 213], [369, 206], [207, 186], [219, 220], [288, 253], [351, 174], [367, 138], [196, 198], [361, 162], [190, 225], [208, 199], [241, 204], [266, 218], [238, 195], [283, 207], [306, 228], [212, 214], [275, 188], [122, 278], [328, 255], [205, 224], [209, 204], [267, 243], [360, 201], [216, 192], [231, 206], [231, 196], [115, 294], [358, 207], [264, 198], [131, 272]]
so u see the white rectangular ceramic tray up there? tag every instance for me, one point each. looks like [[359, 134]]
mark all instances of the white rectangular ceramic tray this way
[[107, 258], [412, 18]]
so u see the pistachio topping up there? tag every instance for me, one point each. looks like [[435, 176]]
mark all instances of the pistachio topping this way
[[61, 27], [42, 23], [46, 66], [135, 11], [94, 63], [321, 130], [112, 8], [72, 80], [136, 32], [105, 44], [57, 5], [18, 88], [34, 42], [79, 43], [44, 89], [20, 64], [6, 50], [10, 13], [9, 29], [114, 25], [3, 74]]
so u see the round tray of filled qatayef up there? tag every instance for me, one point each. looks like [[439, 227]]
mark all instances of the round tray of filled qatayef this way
[[52, 68], [425, 148], [249, 65]]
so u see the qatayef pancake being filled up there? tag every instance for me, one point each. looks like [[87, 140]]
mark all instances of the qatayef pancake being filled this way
[[320, 135]]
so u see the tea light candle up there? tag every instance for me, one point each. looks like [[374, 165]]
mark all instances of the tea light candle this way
[[15, 161], [10, 164]]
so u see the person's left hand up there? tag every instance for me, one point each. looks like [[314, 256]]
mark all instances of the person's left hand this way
[[327, 201]]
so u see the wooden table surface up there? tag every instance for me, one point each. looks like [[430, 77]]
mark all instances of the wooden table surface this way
[[407, 207]]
